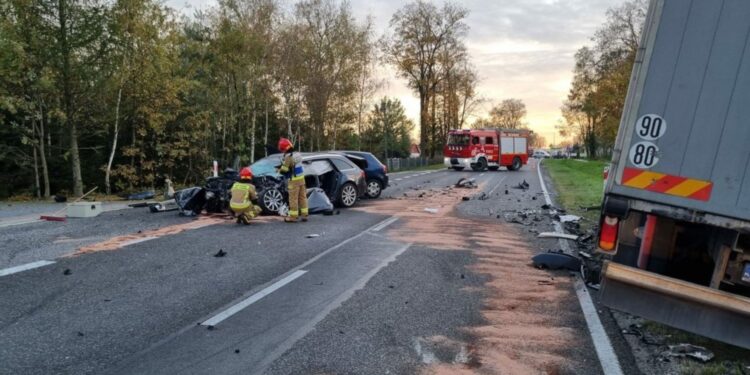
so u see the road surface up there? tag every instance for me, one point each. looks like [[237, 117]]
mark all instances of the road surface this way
[[426, 279]]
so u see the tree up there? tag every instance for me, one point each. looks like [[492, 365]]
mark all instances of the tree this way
[[509, 114], [388, 132], [601, 74], [78, 29], [421, 32]]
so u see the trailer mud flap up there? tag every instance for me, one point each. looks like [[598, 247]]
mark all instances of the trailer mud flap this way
[[687, 306]]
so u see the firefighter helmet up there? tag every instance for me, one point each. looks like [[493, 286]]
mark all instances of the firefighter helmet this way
[[285, 144], [246, 174]]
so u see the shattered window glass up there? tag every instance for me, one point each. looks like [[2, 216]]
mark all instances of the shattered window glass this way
[[266, 166], [318, 167]]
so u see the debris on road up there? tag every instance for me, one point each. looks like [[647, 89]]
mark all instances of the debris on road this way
[[522, 186], [165, 206], [431, 210], [466, 198], [564, 236], [555, 260], [313, 235], [141, 196], [318, 201], [221, 253], [688, 350], [67, 272], [466, 183], [645, 337], [569, 218]]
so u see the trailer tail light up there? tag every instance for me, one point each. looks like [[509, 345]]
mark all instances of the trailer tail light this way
[[608, 233]]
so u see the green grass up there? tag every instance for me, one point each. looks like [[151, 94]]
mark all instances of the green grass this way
[[578, 184], [729, 359]]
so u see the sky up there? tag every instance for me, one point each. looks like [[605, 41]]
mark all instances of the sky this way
[[521, 49]]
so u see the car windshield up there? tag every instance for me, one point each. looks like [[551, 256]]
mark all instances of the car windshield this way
[[458, 139], [267, 166]]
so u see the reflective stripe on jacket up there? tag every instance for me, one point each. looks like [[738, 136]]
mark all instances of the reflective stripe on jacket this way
[[242, 194], [291, 169]]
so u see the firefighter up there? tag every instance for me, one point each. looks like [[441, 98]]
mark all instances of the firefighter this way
[[291, 167], [243, 195]]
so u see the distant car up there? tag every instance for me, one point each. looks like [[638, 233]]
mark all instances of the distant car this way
[[541, 154], [375, 171], [343, 182]]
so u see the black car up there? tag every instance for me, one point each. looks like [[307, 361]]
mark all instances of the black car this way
[[375, 171], [340, 178]]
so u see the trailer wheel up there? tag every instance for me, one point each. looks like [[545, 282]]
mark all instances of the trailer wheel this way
[[458, 169], [480, 165], [516, 164]]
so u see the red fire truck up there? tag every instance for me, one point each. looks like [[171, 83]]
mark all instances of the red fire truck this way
[[481, 149]]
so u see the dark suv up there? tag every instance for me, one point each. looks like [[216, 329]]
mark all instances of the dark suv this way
[[375, 171]]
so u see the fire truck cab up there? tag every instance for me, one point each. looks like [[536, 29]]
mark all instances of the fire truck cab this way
[[481, 149]]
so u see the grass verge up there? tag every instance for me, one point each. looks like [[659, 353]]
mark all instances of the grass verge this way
[[579, 185], [729, 359]]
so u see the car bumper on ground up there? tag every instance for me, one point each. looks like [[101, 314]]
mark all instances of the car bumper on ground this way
[[458, 162]]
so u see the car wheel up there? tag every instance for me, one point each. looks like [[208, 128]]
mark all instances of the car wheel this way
[[348, 195], [458, 168], [271, 200], [374, 188], [516, 164]]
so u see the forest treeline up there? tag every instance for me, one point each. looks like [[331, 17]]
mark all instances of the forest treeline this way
[[119, 94], [601, 76]]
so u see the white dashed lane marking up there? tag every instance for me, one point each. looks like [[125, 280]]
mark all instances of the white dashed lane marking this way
[[25, 267]]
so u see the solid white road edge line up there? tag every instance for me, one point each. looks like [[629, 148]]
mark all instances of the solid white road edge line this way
[[25, 267], [218, 318], [384, 224], [607, 357]]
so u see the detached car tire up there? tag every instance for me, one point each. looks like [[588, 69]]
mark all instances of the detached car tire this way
[[374, 188], [348, 195]]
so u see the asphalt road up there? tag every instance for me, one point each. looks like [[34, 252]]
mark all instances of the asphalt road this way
[[336, 295]]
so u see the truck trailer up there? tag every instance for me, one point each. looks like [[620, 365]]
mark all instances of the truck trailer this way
[[675, 222]]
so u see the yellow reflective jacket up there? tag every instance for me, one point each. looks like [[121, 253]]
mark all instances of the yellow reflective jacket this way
[[292, 166], [242, 195]]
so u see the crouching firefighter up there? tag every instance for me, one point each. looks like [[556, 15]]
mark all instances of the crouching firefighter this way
[[291, 167], [243, 195]]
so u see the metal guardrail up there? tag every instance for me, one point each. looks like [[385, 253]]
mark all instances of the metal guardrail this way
[[400, 164]]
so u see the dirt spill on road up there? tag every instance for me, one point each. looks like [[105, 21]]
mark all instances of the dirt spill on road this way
[[525, 309], [118, 242]]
